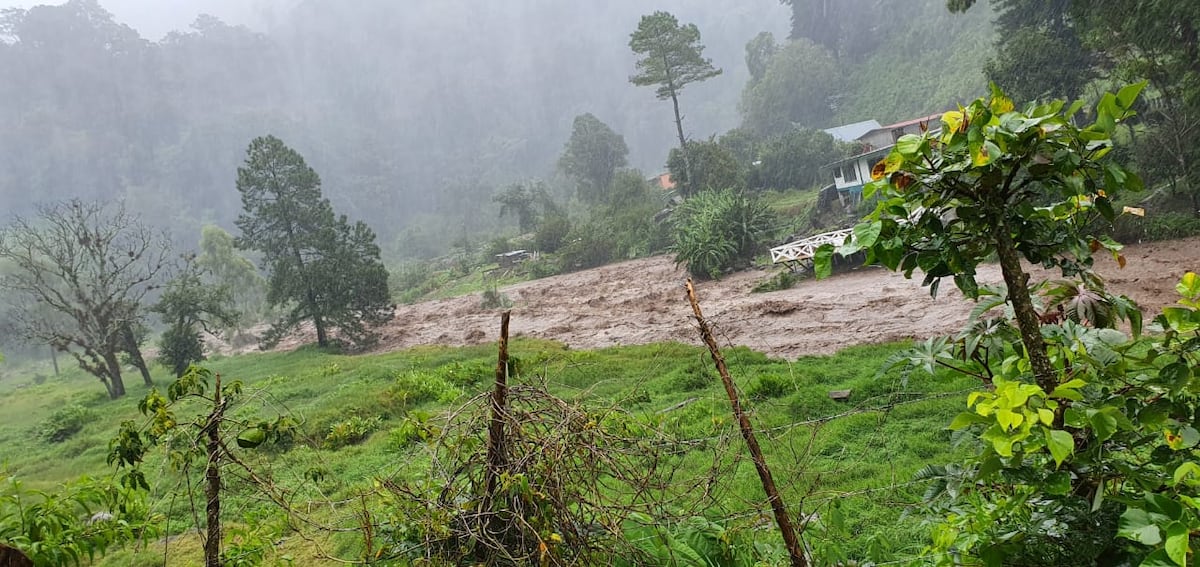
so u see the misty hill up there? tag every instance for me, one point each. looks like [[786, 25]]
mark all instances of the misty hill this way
[[414, 113]]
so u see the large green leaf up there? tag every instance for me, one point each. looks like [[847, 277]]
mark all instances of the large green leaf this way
[[1129, 93], [867, 233], [909, 145], [1139, 525], [1177, 542], [251, 438], [1060, 443], [823, 261], [1189, 286], [1104, 423]]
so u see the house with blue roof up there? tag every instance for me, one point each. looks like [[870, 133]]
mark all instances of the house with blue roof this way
[[876, 141]]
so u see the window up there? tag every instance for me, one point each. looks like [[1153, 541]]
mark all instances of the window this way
[[850, 172]]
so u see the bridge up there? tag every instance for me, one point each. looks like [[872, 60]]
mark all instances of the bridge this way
[[803, 249]]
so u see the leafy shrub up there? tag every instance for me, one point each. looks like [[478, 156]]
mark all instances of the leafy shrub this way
[[417, 388], [697, 541], [633, 214], [413, 428], [589, 245], [1166, 226], [780, 281], [794, 159], [51, 527], [498, 245], [717, 231], [692, 377], [552, 233], [350, 431], [465, 374], [714, 167], [493, 299], [63, 423], [769, 386], [542, 267]]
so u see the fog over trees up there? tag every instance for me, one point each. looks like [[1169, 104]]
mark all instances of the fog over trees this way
[[411, 111]]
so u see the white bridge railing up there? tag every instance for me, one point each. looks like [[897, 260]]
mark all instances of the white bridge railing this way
[[804, 248]]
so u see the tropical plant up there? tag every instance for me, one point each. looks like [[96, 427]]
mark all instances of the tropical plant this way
[[716, 231], [1081, 434], [76, 523]]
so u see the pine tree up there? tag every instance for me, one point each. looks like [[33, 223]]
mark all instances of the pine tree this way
[[325, 269], [671, 59]]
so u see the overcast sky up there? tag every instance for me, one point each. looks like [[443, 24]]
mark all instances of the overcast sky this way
[[154, 18]]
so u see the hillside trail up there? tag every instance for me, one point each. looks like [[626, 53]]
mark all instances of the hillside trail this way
[[642, 301]]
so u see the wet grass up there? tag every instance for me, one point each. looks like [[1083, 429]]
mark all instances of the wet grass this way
[[858, 455]]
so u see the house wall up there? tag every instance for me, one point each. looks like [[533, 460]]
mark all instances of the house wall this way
[[876, 139]]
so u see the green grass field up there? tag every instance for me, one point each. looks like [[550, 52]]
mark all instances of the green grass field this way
[[852, 459]]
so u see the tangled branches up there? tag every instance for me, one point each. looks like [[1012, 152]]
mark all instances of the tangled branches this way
[[573, 481]]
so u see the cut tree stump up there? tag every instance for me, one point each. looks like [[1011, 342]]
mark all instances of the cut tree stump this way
[[839, 395]]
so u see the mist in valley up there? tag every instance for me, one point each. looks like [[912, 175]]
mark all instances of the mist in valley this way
[[412, 112]]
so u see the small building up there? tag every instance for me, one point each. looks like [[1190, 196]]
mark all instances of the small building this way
[[851, 133], [663, 181], [850, 174], [510, 259]]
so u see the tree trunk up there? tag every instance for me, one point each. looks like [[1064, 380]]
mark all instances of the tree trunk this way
[[130, 343], [319, 323], [687, 158], [54, 359], [116, 386], [497, 452], [212, 475], [1028, 323], [135, 356]]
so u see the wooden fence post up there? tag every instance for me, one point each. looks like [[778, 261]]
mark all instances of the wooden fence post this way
[[791, 539]]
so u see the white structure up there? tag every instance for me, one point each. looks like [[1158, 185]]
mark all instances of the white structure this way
[[804, 248]]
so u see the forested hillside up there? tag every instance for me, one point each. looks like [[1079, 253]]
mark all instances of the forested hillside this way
[[415, 113]]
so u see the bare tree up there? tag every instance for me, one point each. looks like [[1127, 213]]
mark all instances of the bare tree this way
[[80, 271]]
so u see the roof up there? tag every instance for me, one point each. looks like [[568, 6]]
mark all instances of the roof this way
[[931, 118], [852, 132]]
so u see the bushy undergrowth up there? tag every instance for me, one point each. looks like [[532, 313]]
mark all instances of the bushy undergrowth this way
[[376, 416], [64, 423], [716, 231], [785, 279], [351, 431]]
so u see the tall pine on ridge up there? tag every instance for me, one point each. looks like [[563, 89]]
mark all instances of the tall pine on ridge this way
[[324, 268]]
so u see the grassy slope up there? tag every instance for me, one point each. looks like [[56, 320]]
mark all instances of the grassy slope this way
[[819, 462]]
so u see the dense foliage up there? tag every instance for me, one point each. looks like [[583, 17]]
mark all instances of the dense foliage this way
[[326, 269], [1119, 40], [716, 231], [591, 156], [705, 166], [1079, 433], [189, 307]]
